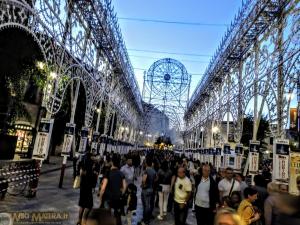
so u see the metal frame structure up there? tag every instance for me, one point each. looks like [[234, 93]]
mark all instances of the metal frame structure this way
[[166, 87], [259, 56], [81, 40]]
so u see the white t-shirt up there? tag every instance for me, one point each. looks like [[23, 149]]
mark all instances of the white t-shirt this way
[[202, 196], [182, 187], [225, 186]]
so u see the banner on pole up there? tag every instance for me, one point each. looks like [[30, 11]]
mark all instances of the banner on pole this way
[[218, 158], [254, 146], [42, 142], [238, 157], [95, 140], [68, 139], [226, 157], [83, 140], [253, 157], [253, 162], [281, 160], [294, 172], [227, 149], [211, 156], [206, 156]]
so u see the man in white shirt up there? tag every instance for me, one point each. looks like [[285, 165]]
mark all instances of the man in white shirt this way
[[241, 179], [128, 171], [228, 184], [182, 194], [206, 199]]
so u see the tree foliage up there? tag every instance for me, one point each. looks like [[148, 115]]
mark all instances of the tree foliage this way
[[262, 132]]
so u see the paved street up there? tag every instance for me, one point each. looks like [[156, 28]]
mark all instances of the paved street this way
[[51, 198]]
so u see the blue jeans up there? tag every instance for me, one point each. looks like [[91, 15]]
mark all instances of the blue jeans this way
[[148, 204]]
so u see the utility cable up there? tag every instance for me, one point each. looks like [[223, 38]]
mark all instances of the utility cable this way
[[173, 22], [170, 53], [183, 60], [194, 74]]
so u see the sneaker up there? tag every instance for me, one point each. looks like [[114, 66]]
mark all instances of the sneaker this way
[[159, 217], [165, 213]]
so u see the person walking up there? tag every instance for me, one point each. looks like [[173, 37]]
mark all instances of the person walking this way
[[182, 194], [128, 171], [241, 179], [246, 209], [86, 187], [164, 184], [113, 187], [148, 179], [206, 197], [100, 217], [270, 209], [227, 185], [228, 216]]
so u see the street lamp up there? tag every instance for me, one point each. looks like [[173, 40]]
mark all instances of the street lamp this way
[[40, 65], [53, 75], [215, 129]]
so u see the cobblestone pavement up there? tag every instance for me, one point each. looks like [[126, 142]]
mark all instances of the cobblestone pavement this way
[[51, 198]]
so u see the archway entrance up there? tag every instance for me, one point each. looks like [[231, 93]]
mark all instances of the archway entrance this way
[[20, 95]]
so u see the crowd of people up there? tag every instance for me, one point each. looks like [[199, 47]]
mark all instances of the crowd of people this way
[[178, 185]]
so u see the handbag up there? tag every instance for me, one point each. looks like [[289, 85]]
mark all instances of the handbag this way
[[76, 183]]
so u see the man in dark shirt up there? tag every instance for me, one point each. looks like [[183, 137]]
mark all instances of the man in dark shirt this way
[[148, 179], [113, 187]]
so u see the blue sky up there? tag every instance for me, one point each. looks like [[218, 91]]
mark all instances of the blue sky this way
[[174, 38]]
